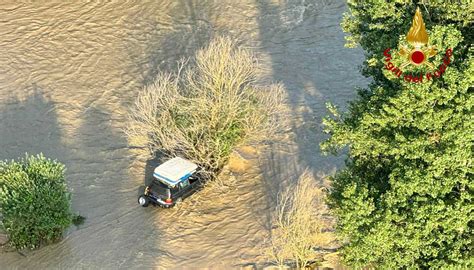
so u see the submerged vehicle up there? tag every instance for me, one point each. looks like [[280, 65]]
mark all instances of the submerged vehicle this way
[[173, 181]]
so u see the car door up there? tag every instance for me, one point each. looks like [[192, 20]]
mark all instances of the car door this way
[[185, 188]]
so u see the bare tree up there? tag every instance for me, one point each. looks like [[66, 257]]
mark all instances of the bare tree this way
[[207, 108], [298, 223]]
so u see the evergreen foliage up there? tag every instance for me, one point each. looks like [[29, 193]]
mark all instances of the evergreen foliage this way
[[34, 201], [405, 198]]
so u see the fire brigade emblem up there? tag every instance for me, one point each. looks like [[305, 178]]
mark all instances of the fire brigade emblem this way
[[418, 53]]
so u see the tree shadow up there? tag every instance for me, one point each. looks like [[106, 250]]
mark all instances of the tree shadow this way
[[150, 166], [109, 197], [191, 31], [30, 126], [307, 54], [97, 160]]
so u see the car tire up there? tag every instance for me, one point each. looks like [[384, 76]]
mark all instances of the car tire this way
[[143, 200]]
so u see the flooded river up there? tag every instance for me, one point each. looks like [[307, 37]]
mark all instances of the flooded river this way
[[70, 71]]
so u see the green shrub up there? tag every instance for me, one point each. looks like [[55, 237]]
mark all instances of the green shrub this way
[[34, 201], [405, 199], [207, 108]]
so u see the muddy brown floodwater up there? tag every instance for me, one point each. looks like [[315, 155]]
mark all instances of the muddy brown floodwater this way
[[70, 71]]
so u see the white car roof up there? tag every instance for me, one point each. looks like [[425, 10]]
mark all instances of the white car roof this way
[[174, 170]]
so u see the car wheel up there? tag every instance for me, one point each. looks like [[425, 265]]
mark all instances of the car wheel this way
[[143, 200]]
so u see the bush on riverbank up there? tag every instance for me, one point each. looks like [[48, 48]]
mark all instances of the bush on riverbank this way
[[34, 201], [205, 110]]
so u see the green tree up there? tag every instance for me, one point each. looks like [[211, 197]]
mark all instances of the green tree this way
[[405, 197], [34, 201]]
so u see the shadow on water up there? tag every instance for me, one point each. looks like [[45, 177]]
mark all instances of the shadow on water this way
[[112, 198], [165, 47], [307, 54], [296, 62], [150, 166], [96, 158], [30, 126]]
